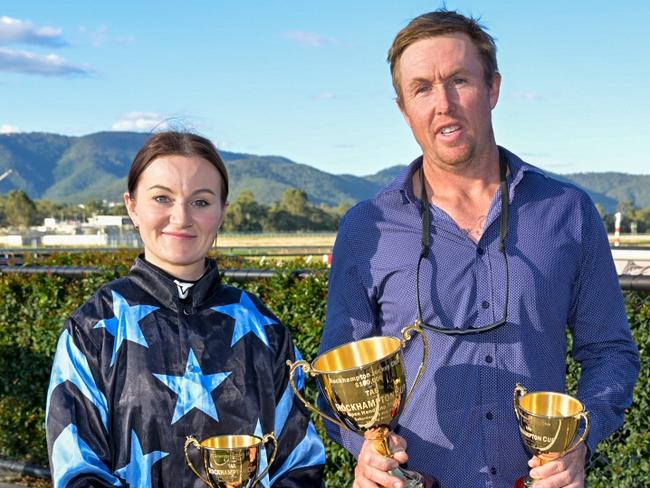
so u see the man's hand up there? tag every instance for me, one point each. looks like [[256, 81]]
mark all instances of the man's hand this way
[[567, 471], [372, 468]]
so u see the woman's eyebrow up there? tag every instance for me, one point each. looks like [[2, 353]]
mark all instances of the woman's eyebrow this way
[[164, 188]]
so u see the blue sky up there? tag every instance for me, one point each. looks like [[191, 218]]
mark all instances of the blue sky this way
[[308, 80]]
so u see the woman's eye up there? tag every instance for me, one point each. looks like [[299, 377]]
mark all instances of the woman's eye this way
[[161, 199], [200, 203]]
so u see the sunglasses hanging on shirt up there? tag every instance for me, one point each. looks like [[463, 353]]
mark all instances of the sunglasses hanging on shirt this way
[[426, 243]]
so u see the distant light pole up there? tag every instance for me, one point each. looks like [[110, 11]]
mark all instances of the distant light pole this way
[[617, 229]]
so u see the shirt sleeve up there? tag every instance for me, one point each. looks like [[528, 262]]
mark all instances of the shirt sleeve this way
[[77, 416], [300, 460], [602, 341], [351, 315]]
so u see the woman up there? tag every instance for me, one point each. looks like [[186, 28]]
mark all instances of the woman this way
[[168, 350]]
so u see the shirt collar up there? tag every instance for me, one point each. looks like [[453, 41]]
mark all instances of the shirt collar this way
[[404, 182], [161, 285]]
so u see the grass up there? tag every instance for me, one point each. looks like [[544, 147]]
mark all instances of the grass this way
[[641, 240], [279, 239], [327, 239]]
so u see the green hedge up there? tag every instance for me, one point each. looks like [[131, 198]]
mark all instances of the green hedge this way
[[34, 306]]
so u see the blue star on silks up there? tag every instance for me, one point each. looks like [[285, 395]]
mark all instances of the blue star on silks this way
[[71, 365], [138, 471], [247, 317], [72, 456], [263, 459], [124, 326], [194, 389]]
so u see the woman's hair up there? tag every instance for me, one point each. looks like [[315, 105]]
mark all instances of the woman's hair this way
[[174, 143]]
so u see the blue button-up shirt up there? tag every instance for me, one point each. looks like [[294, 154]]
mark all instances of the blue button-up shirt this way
[[460, 423]]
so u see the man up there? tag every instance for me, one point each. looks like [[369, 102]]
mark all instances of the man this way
[[497, 262]]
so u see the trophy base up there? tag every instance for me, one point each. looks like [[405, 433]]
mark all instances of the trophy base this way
[[410, 478], [524, 482]]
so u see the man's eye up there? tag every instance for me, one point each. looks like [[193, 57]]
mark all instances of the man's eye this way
[[459, 81], [422, 89], [161, 199]]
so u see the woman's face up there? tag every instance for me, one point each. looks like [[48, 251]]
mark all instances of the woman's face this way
[[177, 207]]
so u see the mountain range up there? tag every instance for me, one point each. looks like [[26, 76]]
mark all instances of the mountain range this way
[[77, 169]]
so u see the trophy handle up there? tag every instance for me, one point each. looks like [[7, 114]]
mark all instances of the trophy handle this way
[[306, 368], [274, 441], [406, 336], [584, 416], [519, 392], [193, 441]]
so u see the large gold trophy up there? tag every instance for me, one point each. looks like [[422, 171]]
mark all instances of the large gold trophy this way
[[230, 461], [365, 384], [549, 423]]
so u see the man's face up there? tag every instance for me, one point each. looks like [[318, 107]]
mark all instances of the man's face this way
[[446, 100]]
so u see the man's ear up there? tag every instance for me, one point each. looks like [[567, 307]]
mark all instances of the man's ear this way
[[495, 88], [400, 106]]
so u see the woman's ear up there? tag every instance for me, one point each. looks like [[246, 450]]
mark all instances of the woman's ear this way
[[129, 203], [223, 215]]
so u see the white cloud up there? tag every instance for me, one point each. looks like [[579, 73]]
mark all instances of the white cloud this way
[[8, 129], [125, 40], [141, 122], [101, 35], [23, 31], [225, 145], [325, 96], [529, 96], [311, 39], [15, 61]]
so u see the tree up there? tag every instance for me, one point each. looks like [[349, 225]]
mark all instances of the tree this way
[[295, 201], [295, 213], [94, 207], [3, 219], [20, 210], [48, 208], [118, 209], [245, 214]]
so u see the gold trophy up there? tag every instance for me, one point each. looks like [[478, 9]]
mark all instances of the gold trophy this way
[[230, 461], [548, 423], [365, 384]]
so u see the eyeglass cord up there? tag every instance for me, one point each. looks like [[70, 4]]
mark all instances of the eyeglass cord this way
[[426, 244]]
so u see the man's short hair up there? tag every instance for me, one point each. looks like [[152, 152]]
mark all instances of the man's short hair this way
[[438, 23]]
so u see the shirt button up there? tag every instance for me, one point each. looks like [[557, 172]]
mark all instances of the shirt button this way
[[485, 304], [493, 470], [480, 251], [488, 359], [489, 415]]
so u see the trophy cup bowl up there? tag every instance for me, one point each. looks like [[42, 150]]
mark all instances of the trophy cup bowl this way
[[549, 424], [230, 461], [364, 383]]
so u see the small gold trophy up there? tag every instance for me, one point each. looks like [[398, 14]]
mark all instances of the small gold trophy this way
[[230, 461], [548, 423], [365, 384]]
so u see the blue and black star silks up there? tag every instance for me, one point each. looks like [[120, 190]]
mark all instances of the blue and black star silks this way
[[137, 370]]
